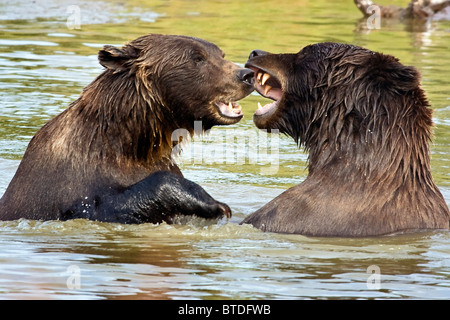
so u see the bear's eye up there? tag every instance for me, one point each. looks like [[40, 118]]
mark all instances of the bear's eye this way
[[198, 59]]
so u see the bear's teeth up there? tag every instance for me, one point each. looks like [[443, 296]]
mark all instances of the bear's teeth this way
[[267, 89], [265, 78], [259, 105], [235, 108]]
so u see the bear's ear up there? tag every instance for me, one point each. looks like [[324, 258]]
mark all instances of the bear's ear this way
[[389, 73], [116, 59]]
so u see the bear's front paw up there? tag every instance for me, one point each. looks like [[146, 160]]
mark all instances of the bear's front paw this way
[[224, 210], [216, 210]]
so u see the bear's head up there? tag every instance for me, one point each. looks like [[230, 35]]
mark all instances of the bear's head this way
[[187, 79], [339, 100], [366, 125]]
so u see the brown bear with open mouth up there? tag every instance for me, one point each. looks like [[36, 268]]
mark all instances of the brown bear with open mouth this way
[[367, 126], [108, 157]]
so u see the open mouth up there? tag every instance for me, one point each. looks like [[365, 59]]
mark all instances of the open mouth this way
[[230, 110], [268, 86]]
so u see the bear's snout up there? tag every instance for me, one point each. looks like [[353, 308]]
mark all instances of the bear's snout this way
[[257, 53], [246, 76]]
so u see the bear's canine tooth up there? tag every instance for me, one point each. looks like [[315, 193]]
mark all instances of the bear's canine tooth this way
[[265, 78], [259, 105], [230, 106], [259, 76], [267, 89]]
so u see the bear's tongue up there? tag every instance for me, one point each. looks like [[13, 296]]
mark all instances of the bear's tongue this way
[[232, 109]]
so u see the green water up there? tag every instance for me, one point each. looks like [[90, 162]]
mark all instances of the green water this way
[[44, 65]]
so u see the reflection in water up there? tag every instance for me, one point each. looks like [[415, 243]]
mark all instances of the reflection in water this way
[[43, 68], [418, 17], [217, 261]]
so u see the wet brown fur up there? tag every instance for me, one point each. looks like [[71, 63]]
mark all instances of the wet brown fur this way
[[367, 126], [119, 130]]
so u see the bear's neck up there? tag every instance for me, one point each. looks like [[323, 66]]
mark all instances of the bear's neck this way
[[386, 168], [127, 121], [387, 154]]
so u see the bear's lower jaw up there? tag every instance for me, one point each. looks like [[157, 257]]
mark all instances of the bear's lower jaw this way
[[267, 110], [263, 114], [265, 118], [231, 111]]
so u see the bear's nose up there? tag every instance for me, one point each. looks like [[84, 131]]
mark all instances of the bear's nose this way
[[256, 53], [246, 76]]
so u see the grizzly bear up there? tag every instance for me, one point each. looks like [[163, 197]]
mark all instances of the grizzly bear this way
[[367, 125], [108, 157]]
